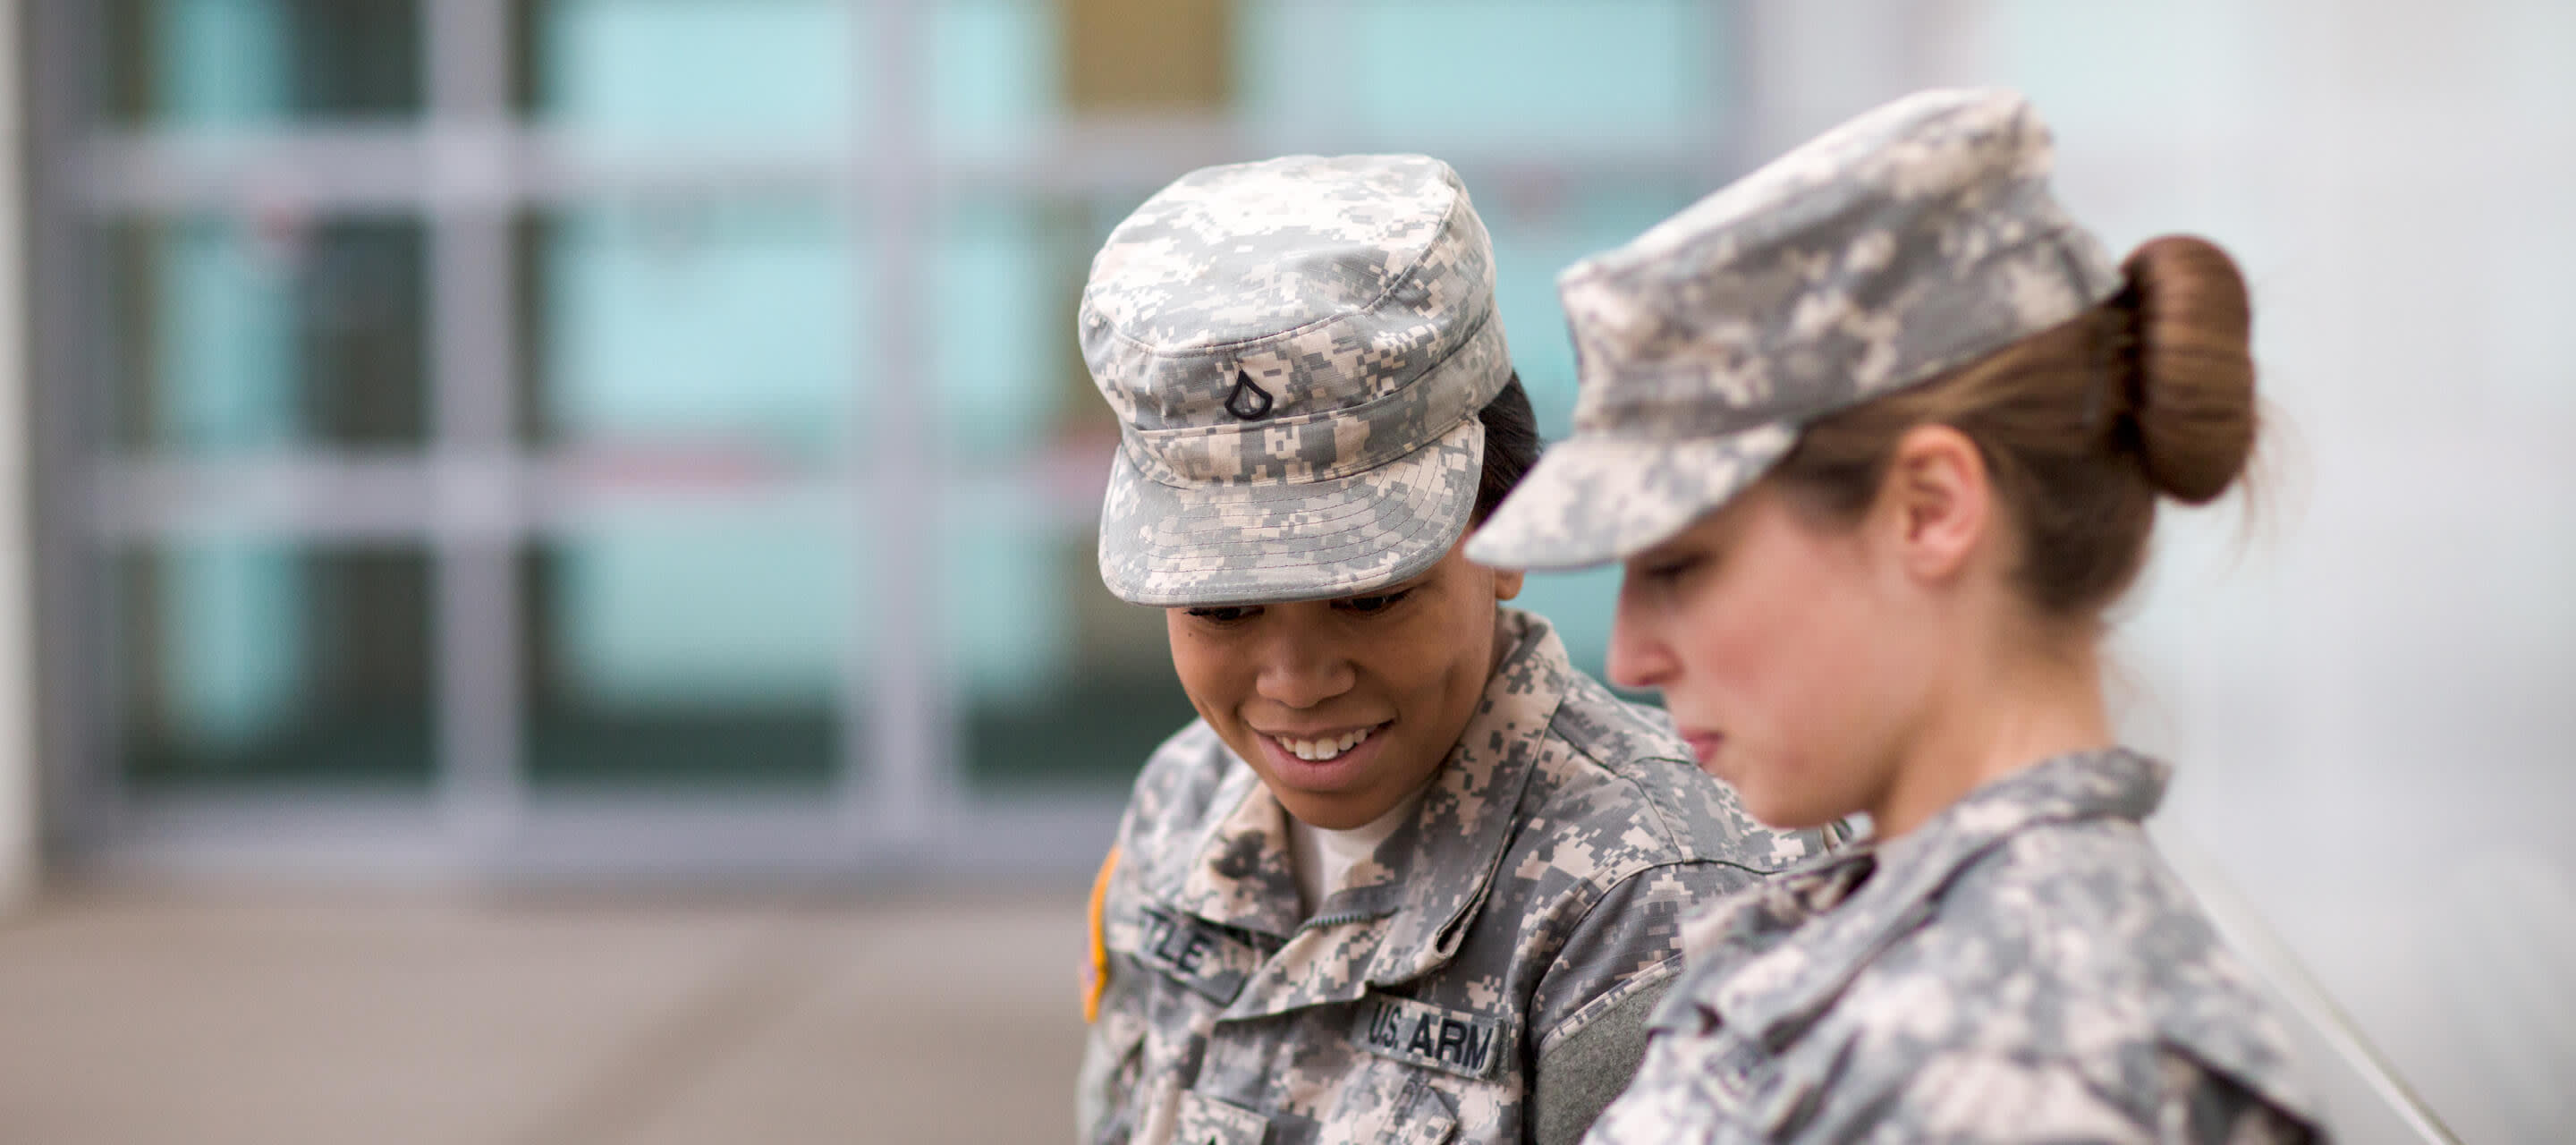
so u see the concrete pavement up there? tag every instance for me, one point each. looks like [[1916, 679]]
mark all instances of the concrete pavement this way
[[277, 1019]]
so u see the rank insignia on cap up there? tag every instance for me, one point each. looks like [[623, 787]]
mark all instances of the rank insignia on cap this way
[[1248, 401]]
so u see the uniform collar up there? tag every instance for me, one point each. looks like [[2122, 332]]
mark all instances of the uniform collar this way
[[1439, 876], [1426, 880], [1775, 995]]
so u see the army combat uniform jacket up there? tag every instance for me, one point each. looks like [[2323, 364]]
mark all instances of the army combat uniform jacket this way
[[2022, 967], [1504, 938]]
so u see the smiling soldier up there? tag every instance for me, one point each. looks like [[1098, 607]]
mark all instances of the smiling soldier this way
[[1410, 876]]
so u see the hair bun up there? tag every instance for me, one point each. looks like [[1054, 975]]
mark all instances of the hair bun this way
[[2192, 399]]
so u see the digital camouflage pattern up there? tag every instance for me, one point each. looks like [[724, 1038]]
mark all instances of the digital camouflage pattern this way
[[1297, 350], [1918, 237], [2022, 967], [1541, 883]]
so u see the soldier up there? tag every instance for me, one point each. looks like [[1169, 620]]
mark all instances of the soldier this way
[[1880, 432], [1410, 876]]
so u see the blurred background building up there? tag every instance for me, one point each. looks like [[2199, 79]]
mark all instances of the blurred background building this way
[[638, 443]]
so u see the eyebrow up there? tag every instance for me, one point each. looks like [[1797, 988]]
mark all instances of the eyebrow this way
[[1389, 590]]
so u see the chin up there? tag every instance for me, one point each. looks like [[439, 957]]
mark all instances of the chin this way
[[1326, 818], [1784, 811]]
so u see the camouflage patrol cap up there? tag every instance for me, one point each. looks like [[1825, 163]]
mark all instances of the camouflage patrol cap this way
[[1298, 349], [1917, 237]]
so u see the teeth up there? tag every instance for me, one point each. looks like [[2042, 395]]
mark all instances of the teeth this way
[[1323, 749]]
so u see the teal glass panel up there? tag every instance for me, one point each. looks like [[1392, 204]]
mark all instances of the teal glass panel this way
[[1002, 319], [1515, 76], [994, 77], [228, 337], [1060, 684], [252, 662], [1055, 681], [732, 325], [722, 70], [699, 651], [250, 63]]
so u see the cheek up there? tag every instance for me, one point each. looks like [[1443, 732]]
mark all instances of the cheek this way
[[1207, 672], [1788, 668]]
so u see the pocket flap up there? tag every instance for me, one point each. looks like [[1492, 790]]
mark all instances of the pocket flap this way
[[1205, 1120], [1427, 1119]]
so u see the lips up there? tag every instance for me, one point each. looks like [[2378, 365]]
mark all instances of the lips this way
[[1325, 746], [1704, 743], [1325, 764]]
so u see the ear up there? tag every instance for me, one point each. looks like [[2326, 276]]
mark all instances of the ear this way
[[1507, 582], [1936, 504]]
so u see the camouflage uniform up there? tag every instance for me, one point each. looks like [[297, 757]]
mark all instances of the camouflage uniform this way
[[2020, 967], [1521, 925], [1297, 350]]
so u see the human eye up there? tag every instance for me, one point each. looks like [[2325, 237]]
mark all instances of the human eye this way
[[1373, 604], [1223, 613], [1665, 572]]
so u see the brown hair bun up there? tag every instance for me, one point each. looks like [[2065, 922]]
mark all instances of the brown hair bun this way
[[2191, 399]]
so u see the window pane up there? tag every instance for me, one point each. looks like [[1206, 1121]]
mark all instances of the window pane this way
[[231, 335], [1495, 75], [698, 652], [996, 75], [702, 69], [243, 63], [726, 325], [259, 662], [1006, 275], [1057, 682], [1060, 682]]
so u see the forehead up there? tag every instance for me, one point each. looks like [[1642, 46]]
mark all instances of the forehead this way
[[1724, 525]]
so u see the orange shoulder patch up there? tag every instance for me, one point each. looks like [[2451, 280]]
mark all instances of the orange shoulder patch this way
[[1095, 977]]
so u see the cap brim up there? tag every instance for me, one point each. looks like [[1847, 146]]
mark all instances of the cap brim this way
[[1592, 500], [1248, 544]]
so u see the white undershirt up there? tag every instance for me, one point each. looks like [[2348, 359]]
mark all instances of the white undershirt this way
[[1323, 857]]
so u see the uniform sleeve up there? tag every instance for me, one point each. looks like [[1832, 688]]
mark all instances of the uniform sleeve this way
[[1961, 1096], [1981, 1095], [2206, 1105], [1590, 1067], [1591, 1009]]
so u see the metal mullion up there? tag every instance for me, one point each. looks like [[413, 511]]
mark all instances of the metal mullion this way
[[85, 798], [378, 169], [472, 457], [897, 780]]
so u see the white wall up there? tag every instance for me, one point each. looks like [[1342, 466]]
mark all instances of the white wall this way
[[2366, 689], [18, 764]]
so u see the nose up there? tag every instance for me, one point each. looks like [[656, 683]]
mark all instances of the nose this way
[[1300, 670], [1639, 657]]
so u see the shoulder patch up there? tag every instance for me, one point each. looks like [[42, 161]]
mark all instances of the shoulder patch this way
[[1097, 977], [1454, 1041]]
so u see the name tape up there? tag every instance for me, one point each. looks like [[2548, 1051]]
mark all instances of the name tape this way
[[1418, 1032]]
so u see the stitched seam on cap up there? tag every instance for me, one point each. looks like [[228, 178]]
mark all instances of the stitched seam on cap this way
[[1316, 558]]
